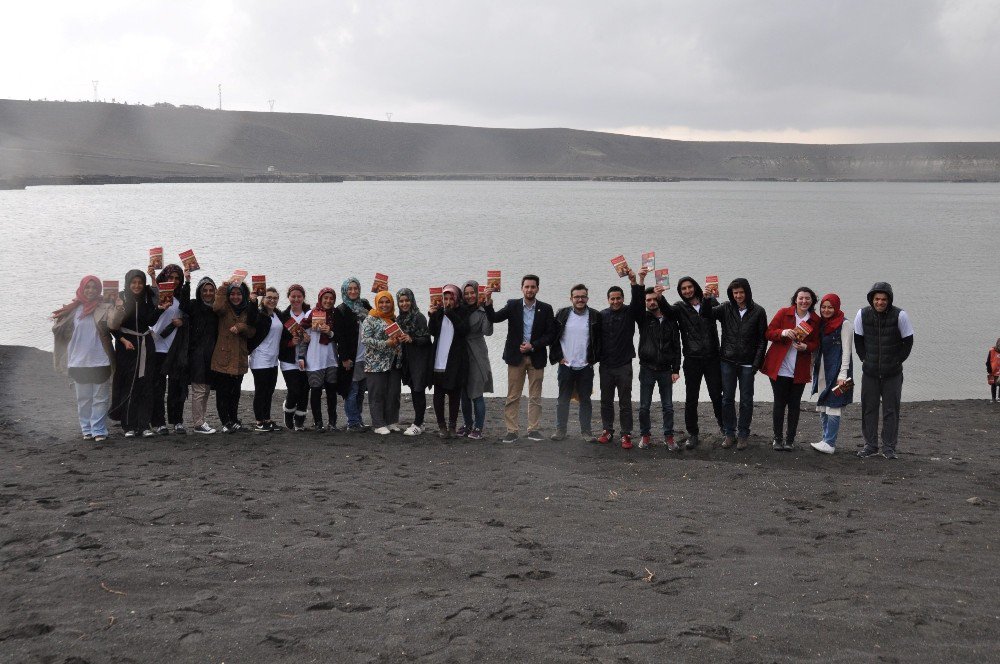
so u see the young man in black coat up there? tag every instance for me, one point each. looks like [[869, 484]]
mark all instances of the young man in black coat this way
[[530, 331], [659, 362], [576, 349], [616, 353]]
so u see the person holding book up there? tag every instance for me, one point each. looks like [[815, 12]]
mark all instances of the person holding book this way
[[229, 359], [741, 350], [203, 331], [383, 364], [83, 352], [264, 347], [296, 380], [417, 353], [883, 339], [480, 379], [318, 355], [659, 361], [993, 370], [617, 349], [170, 366], [833, 370], [530, 331], [351, 311], [576, 351], [449, 325], [794, 335], [136, 308]]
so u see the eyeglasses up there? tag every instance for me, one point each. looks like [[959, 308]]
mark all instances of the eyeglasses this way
[[581, 297]]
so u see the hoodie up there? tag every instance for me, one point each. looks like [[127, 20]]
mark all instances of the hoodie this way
[[698, 331], [743, 339]]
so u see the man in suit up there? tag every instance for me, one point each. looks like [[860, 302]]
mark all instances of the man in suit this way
[[530, 330]]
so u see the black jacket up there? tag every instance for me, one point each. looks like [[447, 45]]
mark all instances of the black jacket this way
[[456, 371], [542, 331], [698, 330], [346, 330], [593, 338], [286, 350], [203, 330], [659, 340], [743, 339], [882, 348], [618, 331]]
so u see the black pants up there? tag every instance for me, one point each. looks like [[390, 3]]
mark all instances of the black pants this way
[[135, 412], [316, 401], [616, 378], [264, 381], [169, 387], [297, 398], [695, 369], [993, 390], [455, 401], [787, 396], [419, 398], [888, 392], [227, 397]]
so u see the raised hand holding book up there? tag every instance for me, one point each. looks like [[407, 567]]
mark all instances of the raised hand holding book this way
[[380, 283], [189, 261], [156, 258], [620, 265], [493, 280], [649, 260]]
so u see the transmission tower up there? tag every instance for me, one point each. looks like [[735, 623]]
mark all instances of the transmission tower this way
[[388, 117], [270, 102], [95, 90], [220, 96]]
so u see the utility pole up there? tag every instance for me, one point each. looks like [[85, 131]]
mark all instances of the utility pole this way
[[220, 96], [270, 102], [95, 90], [388, 117]]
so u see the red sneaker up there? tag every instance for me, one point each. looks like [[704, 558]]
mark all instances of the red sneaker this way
[[605, 437], [626, 442], [671, 445], [644, 442]]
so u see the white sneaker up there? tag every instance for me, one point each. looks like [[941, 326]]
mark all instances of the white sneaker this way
[[395, 428], [382, 431], [413, 430], [824, 447]]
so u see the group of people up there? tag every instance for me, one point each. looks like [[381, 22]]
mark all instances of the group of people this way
[[138, 359]]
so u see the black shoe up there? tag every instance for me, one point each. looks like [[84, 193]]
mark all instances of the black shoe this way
[[558, 435], [790, 446], [290, 420], [509, 437], [692, 442], [867, 452], [889, 454], [778, 445], [300, 422], [319, 428], [535, 435], [236, 426]]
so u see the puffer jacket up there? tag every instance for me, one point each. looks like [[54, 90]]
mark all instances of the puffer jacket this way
[[698, 330], [659, 342], [743, 339]]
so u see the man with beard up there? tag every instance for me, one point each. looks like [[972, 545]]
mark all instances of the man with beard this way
[[659, 363], [616, 353]]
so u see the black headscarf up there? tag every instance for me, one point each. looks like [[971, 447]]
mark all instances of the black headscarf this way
[[128, 296], [242, 306]]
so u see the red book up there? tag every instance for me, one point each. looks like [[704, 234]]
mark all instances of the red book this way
[[188, 260], [317, 317], [662, 277], [712, 286], [803, 330], [258, 284], [493, 280], [649, 260], [111, 289], [482, 295], [166, 293], [156, 258], [437, 296], [392, 330], [381, 282], [840, 389], [293, 327], [238, 277], [620, 265]]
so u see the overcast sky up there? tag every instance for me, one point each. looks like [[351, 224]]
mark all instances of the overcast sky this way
[[796, 70]]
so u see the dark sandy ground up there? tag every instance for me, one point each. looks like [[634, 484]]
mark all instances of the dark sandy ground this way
[[308, 547]]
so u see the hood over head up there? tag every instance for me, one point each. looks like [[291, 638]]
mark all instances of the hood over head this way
[[880, 287], [698, 293], [204, 281], [740, 282]]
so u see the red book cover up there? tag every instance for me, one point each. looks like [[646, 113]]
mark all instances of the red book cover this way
[[188, 260], [437, 296], [620, 265], [840, 389], [803, 330], [293, 327], [156, 258], [381, 282], [493, 280], [258, 284], [166, 293], [317, 317], [392, 330], [482, 295], [111, 289], [662, 277], [238, 277], [649, 260], [712, 286]]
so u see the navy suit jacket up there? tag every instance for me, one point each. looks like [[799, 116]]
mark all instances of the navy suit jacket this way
[[543, 331]]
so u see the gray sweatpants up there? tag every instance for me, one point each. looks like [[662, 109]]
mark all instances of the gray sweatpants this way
[[383, 396]]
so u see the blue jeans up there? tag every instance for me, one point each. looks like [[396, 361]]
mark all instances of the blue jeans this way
[[647, 379], [354, 401], [92, 406], [831, 427], [582, 382], [473, 411], [731, 375]]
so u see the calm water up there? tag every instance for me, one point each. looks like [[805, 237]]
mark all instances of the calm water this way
[[936, 243]]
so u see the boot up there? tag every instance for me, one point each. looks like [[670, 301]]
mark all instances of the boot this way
[[289, 419], [300, 422]]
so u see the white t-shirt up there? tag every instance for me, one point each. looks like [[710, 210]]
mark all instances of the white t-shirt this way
[[289, 366], [166, 320], [319, 355], [904, 325], [85, 348], [444, 344], [265, 356], [788, 364], [574, 339]]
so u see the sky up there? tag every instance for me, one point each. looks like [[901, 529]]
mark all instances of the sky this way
[[761, 70]]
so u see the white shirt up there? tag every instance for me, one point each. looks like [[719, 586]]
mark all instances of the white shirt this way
[[788, 364], [265, 356], [289, 366], [444, 345], [904, 325], [166, 320], [85, 348], [319, 355], [574, 339]]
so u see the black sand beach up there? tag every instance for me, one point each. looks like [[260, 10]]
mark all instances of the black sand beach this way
[[313, 548]]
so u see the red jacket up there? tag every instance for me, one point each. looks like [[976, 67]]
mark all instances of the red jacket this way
[[784, 320]]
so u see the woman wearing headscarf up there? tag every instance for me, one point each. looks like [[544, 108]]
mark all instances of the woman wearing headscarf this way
[[833, 370], [480, 379], [449, 326], [350, 312], [318, 358], [993, 370], [296, 381], [417, 356], [170, 359], [264, 348], [83, 352], [131, 390], [788, 363], [229, 359], [383, 365], [203, 331]]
